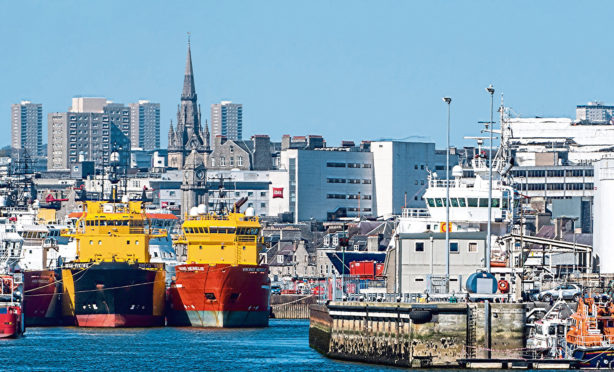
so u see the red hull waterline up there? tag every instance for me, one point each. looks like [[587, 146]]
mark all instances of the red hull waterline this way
[[219, 296], [119, 320]]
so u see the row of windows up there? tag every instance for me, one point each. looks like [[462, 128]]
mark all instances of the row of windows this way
[[222, 230], [351, 180], [553, 186], [331, 164], [135, 223], [472, 247], [358, 210], [350, 196], [231, 162], [540, 173], [467, 202]]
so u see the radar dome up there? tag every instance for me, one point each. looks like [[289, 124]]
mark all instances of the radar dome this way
[[193, 211], [457, 171], [202, 209], [249, 212], [125, 199]]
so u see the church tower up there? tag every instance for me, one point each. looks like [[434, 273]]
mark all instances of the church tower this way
[[194, 185], [188, 135]]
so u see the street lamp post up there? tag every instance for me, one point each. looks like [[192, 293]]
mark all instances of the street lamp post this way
[[448, 101], [490, 90]]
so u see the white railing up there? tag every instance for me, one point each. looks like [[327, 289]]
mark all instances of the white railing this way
[[415, 212]]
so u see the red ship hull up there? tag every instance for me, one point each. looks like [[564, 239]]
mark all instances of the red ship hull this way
[[42, 297], [11, 322], [219, 296]]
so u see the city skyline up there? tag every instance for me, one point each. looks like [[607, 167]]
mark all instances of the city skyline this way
[[340, 79]]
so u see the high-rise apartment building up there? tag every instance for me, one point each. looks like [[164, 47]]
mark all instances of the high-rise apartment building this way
[[92, 135], [145, 125], [227, 120], [27, 127]]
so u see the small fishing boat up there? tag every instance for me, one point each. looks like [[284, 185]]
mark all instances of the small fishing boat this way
[[11, 316]]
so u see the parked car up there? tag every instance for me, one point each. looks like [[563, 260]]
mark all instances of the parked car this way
[[567, 291], [275, 289]]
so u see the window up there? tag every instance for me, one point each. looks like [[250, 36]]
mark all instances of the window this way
[[263, 193], [430, 202], [461, 202], [453, 247], [213, 162], [335, 165], [232, 160], [222, 161], [472, 247], [240, 161], [262, 205], [419, 246], [483, 203], [454, 202]]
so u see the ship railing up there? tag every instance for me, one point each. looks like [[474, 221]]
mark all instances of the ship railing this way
[[208, 217], [442, 183], [415, 213], [246, 238]]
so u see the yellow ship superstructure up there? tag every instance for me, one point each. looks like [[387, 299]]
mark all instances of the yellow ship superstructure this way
[[221, 239], [112, 283]]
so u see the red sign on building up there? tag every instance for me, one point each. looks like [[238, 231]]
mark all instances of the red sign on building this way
[[278, 192]]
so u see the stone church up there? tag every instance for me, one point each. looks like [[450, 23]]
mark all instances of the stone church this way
[[188, 144], [189, 134]]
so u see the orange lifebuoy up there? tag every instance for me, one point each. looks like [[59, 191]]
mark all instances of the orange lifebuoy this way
[[504, 286]]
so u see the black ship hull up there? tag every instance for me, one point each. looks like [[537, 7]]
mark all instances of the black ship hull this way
[[113, 294]]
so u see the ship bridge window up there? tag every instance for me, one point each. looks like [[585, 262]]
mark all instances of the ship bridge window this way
[[454, 202], [461, 202], [438, 202], [483, 203], [505, 203], [430, 202], [472, 202], [495, 202]]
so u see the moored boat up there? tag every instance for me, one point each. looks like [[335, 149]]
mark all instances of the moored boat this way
[[11, 316], [222, 284], [113, 282], [590, 336]]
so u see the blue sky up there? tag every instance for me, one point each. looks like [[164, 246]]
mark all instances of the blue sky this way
[[344, 69]]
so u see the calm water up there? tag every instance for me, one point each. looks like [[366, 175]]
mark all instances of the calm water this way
[[283, 346]]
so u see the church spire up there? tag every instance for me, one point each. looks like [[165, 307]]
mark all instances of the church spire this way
[[189, 90]]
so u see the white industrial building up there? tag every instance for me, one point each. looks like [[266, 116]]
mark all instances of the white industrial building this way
[[557, 141], [602, 211], [401, 172], [326, 183]]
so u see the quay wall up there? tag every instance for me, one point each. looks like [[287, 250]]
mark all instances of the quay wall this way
[[291, 306], [417, 335]]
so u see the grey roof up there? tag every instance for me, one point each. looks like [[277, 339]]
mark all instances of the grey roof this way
[[549, 233]]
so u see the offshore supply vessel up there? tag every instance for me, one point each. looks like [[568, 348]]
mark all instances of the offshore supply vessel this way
[[221, 284], [113, 282]]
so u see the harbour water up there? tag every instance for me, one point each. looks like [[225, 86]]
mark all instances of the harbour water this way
[[281, 347]]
